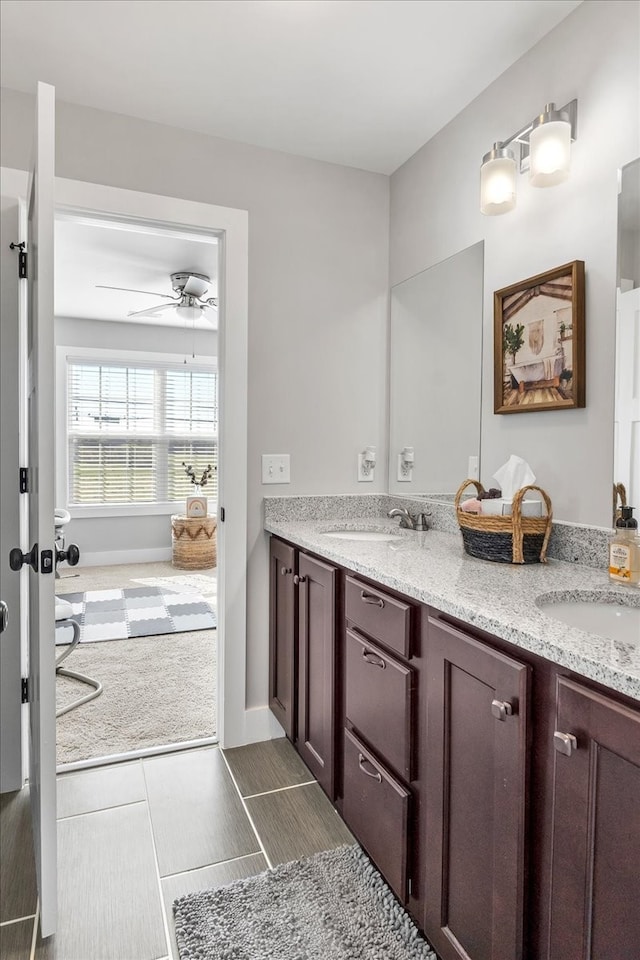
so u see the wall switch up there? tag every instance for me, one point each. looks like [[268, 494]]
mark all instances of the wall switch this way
[[366, 469], [405, 470], [276, 468], [472, 469]]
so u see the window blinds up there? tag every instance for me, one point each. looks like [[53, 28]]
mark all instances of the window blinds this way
[[130, 427]]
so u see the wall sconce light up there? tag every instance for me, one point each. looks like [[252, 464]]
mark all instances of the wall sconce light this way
[[543, 147]]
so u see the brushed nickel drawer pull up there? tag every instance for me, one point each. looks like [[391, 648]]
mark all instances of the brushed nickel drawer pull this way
[[285, 570], [373, 659], [298, 579], [368, 598], [361, 762]]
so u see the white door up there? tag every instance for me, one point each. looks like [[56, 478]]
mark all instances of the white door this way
[[40, 392]]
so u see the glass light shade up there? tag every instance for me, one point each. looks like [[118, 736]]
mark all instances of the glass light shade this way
[[188, 313], [550, 145], [498, 182]]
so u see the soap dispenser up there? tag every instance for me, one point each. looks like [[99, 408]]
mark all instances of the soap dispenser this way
[[624, 550]]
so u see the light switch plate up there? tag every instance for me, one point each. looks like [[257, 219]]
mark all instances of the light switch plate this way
[[366, 471], [276, 468], [472, 469]]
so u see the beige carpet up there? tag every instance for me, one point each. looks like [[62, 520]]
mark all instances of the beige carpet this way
[[157, 690]]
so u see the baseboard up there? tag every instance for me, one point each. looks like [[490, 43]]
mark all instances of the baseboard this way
[[109, 557], [259, 724]]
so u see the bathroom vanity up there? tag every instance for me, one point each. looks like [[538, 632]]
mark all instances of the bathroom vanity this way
[[486, 756]]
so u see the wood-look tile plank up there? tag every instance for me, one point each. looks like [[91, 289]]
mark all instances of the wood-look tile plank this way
[[297, 823], [15, 940], [198, 818], [270, 765], [207, 878], [98, 789], [109, 903], [18, 890]]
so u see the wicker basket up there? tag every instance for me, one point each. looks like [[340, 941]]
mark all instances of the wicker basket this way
[[514, 539], [194, 542]]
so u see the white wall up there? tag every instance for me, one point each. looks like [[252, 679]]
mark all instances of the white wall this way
[[318, 282], [592, 55], [136, 535]]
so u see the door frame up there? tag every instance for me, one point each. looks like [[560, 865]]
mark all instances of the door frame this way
[[236, 725]]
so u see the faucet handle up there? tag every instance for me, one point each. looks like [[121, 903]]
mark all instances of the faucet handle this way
[[420, 522]]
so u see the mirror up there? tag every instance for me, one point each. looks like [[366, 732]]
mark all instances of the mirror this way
[[435, 376], [626, 457]]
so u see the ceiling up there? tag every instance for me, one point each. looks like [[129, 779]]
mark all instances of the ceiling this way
[[91, 252], [358, 82]]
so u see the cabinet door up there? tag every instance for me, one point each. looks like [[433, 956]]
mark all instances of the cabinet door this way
[[595, 902], [282, 635], [316, 647], [476, 761]]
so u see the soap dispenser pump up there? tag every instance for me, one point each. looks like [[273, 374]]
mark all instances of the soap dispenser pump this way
[[624, 550]]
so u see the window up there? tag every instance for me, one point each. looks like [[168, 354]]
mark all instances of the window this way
[[131, 426]]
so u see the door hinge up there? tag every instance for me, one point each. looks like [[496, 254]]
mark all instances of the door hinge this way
[[221, 514], [22, 258], [46, 561], [26, 692], [23, 483]]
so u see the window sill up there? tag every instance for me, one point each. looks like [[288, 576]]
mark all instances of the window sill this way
[[130, 510]]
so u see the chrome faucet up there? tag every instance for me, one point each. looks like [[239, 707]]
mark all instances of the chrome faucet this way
[[407, 522]]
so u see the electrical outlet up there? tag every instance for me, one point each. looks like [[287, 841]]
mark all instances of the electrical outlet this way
[[276, 468], [405, 470], [366, 469], [472, 469]]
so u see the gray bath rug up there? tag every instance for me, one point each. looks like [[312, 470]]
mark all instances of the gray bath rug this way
[[333, 906]]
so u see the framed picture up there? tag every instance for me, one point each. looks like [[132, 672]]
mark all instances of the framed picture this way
[[539, 342]]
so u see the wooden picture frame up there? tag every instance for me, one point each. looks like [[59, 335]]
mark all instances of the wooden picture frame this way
[[539, 342]]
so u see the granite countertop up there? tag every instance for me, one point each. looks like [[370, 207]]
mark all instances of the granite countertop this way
[[433, 568]]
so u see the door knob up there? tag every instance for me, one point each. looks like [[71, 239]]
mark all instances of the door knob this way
[[17, 559], [4, 616], [71, 555]]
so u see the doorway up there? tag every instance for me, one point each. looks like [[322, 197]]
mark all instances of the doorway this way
[[137, 426]]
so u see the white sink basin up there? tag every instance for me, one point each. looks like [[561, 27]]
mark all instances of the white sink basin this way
[[372, 535], [617, 621]]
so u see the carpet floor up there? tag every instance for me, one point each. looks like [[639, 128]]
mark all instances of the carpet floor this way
[[156, 690], [332, 906]]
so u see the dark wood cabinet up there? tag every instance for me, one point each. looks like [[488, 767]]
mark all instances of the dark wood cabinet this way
[[498, 793], [475, 797], [283, 660], [316, 671], [595, 861]]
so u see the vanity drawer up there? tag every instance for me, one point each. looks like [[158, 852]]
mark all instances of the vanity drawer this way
[[376, 809], [379, 700], [379, 615]]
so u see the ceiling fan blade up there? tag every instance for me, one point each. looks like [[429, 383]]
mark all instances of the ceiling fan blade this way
[[210, 314], [152, 311], [195, 287], [105, 286]]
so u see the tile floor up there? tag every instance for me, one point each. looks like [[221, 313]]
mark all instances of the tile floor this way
[[134, 836]]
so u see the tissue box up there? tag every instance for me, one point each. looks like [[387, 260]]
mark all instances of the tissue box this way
[[502, 507]]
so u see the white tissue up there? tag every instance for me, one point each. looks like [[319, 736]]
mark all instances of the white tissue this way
[[513, 475]]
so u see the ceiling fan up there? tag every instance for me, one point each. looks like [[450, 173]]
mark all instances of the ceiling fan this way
[[188, 304]]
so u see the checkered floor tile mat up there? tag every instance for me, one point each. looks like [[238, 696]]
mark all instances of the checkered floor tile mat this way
[[138, 612]]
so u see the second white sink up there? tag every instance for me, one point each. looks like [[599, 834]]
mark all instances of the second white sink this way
[[617, 621]]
